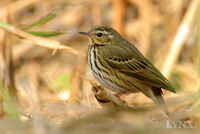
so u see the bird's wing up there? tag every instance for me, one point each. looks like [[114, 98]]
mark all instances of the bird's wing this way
[[134, 65]]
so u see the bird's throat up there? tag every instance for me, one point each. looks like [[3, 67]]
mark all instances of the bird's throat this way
[[91, 41]]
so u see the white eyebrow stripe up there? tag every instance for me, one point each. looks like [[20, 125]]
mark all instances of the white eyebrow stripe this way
[[104, 32]]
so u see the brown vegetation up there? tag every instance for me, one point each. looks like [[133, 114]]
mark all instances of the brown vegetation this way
[[46, 82]]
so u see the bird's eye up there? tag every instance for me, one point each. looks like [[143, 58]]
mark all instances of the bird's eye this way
[[99, 34]]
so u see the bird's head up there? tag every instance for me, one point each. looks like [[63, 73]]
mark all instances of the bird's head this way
[[102, 35]]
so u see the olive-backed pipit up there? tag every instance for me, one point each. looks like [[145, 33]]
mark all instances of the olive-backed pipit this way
[[119, 66]]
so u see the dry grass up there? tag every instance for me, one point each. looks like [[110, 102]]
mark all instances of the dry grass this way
[[49, 93]]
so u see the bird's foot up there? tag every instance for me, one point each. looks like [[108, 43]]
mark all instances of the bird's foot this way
[[118, 95]]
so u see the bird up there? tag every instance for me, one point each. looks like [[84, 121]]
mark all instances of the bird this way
[[119, 66]]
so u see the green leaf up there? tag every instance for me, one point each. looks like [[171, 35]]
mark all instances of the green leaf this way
[[45, 19], [44, 33], [4, 25], [40, 22]]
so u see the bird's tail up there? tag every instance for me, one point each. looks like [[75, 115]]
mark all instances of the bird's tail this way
[[155, 94]]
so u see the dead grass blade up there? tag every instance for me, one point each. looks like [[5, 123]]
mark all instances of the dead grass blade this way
[[103, 96], [180, 37], [43, 42]]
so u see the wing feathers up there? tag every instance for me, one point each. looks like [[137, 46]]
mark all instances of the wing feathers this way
[[135, 66]]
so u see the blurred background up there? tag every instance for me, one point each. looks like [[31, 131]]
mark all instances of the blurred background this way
[[43, 89]]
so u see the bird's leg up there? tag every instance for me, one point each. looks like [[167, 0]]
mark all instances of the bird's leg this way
[[118, 95]]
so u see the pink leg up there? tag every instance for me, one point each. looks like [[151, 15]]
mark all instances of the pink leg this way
[[118, 95]]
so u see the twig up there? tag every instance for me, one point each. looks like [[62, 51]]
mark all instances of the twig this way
[[10, 76], [104, 96], [7, 75], [198, 46], [180, 37], [43, 42]]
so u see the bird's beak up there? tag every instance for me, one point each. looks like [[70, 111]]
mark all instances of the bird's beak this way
[[85, 33]]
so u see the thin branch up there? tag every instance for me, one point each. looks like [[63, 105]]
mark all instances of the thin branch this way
[[198, 43], [40, 41], [103, 96]]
